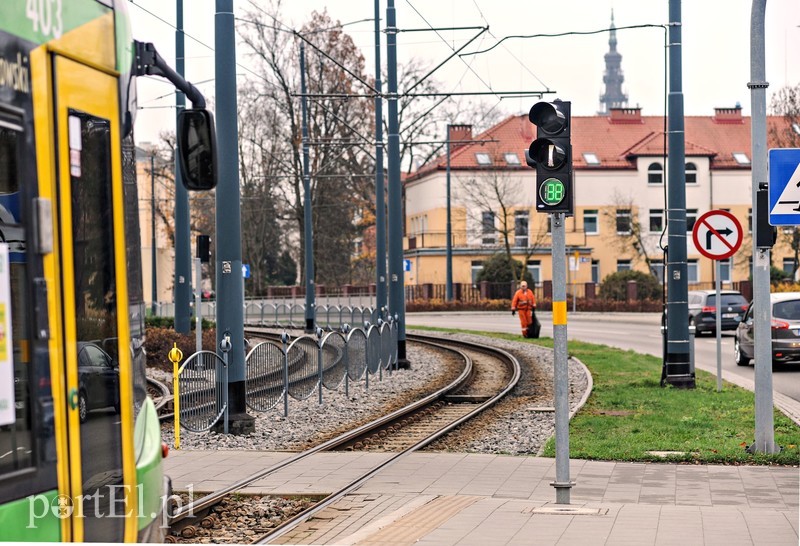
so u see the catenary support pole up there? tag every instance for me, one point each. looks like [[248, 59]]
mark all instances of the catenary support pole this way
[[153, 252], [397, 303], [762, 352], [183, 244], [308, 240], [676, 368], [380, 197], [448, 231], [560, 360], [230, 283]]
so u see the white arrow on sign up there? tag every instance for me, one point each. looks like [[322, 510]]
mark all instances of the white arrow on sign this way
[[789, 200]]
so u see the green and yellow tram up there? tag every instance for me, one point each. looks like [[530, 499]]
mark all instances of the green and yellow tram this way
[[80, 447]]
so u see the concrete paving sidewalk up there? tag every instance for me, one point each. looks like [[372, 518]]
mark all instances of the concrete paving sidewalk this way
[[440, 499]]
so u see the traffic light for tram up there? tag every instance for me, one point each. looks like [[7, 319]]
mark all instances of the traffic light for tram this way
[[551, 155]]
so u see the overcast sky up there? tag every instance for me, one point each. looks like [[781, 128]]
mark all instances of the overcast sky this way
[[716, 48]]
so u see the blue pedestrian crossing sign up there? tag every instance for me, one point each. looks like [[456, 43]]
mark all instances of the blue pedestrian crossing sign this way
[[784, 187]]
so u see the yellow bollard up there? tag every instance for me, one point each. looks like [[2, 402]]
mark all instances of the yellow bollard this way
[[176, 355]]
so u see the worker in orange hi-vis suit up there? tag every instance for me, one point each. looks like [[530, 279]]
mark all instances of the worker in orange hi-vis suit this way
[[524, 302]]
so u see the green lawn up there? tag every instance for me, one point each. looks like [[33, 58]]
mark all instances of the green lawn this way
[[630, 414]]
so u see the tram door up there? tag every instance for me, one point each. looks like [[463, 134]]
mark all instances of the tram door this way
[[89, 235]]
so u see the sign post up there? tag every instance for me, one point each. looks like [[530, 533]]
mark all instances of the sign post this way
[[717, 235]]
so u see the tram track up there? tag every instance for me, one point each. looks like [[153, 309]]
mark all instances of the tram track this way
[[488, 375]]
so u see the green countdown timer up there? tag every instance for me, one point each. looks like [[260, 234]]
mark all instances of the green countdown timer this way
[[552, 191]]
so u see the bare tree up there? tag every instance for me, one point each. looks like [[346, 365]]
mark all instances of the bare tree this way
[[492, 198], [339, 126], [627, 233]]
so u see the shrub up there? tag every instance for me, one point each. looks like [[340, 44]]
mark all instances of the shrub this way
[[159, 341], [615, 286], [498, 269]]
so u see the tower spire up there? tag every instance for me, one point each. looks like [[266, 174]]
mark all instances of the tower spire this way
[[613, 97]]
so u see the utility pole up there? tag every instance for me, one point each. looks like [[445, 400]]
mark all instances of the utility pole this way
[[676, 369], [153, 254], [308, 237], [765, 426], [183, 245], [448, 231], [397, 302], [230, 284], [380, 199]]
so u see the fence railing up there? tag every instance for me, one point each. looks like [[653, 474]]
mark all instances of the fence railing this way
[[301, 367], [202, 392]]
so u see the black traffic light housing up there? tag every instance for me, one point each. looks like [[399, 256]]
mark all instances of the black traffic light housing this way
[[551, 155], [204, 248], [766, 235]]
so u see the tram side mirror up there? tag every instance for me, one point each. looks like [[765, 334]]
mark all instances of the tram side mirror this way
[[197, 150]]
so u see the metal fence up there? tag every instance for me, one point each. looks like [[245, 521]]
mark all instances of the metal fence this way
[[203, 391], [301, 367]]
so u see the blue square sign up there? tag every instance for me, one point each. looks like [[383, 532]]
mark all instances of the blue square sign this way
[[784, 187]]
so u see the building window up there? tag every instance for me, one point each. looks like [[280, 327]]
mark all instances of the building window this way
[[656, 220], [725, 270], [534, 268], [590, 225], [483, 158], [691, 218], [477, 267], [741, 158], [691, 173], [788, 265], [521, 228], [692, 271], [750, 220], [624, 221], [591, 158], [487, 227], [657, 268], [623, 265], [655, 173], [596, 271], [512, 158]]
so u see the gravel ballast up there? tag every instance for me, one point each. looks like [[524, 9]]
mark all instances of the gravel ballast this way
[[519, 425]]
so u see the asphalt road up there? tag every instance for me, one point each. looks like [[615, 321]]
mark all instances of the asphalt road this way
[[639, 332]]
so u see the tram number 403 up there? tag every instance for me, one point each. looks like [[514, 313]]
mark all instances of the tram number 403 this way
[[551, 191], [45, 17]]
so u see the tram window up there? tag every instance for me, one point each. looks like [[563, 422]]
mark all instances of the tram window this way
[[16, 439], [95, 313]]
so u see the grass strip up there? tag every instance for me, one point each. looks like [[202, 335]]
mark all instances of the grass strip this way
[[629, 416]]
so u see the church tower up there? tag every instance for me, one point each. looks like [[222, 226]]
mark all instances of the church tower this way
[[612, 78]]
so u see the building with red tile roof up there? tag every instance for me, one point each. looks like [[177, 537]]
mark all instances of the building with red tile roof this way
[[618, 161]]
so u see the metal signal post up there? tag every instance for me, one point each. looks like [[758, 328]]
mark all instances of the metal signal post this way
[[551, 155]]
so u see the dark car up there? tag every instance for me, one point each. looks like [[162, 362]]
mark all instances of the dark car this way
[[703, 310], [785, 331], [98, 380]]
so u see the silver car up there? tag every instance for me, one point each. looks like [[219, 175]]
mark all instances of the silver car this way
[[785, 331]]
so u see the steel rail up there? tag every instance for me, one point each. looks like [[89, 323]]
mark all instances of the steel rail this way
[[213, 498], [294, 522]]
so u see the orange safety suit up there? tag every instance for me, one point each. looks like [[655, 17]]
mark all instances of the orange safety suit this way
[[524, 302]]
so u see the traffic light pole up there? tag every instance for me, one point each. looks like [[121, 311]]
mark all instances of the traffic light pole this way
[[551, 155], [560, 359], [764, 425]]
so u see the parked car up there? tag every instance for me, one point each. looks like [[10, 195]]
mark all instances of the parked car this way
[[98, 380], [703, 310], [785, 331]]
